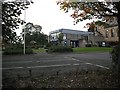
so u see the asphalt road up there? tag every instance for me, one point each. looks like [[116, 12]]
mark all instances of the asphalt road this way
[[44, 63]]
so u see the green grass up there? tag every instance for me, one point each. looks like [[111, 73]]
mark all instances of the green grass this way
[[40, 50], [80, 50], [92, 49]]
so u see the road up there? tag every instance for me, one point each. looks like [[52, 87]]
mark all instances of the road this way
[[44, 63]]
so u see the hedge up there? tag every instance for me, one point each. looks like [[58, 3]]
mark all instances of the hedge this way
[[60, 49], [12, 51]]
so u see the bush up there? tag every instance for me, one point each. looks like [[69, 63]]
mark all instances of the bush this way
[[88, 45], [16, 50], [60, 49]]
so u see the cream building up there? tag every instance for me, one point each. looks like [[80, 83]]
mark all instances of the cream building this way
[[74, 38], [104, 36]]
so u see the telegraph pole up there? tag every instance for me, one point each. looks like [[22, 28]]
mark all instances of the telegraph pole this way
[[24, 30]]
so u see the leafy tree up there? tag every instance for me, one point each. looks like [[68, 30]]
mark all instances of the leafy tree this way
[[34, 36], [60, 38], [91, 27], [106, 11], [11, 10]]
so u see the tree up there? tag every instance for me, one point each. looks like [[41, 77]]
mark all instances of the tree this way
[[60, 38], [106, 11], [91, 27], [34, 36], [11, 10]]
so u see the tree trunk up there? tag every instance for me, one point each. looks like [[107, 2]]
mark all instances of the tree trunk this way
[[118, 17]]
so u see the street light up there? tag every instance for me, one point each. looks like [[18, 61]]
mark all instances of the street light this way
[[24, 30], [25, 1]]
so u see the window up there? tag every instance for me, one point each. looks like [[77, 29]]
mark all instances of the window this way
[[112, 33], [106, 33]]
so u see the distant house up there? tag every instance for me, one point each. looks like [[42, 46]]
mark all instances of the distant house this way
[[104, 36], [74, 38]]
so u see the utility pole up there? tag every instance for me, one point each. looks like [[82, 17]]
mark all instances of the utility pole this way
[[24, 30], [25, 1]]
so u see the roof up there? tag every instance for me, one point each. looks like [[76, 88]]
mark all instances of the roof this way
[[71, 31]]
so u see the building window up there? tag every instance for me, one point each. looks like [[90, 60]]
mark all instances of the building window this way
[[112, 33], [106, 33]]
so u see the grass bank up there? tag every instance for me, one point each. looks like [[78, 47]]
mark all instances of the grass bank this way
[[80, 49], [40, 50], [92, 49]]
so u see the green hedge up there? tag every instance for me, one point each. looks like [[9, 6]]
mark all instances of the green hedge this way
[[60, 49], [12, 51]]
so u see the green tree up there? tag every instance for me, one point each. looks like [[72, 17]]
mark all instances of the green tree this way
[[34, 36], [11, 10], [106, 11], [60, 38]]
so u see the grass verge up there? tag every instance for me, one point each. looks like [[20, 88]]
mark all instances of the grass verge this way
[[92, 49], [40, 50]]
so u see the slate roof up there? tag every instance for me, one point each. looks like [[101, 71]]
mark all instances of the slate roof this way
[[71, 31]]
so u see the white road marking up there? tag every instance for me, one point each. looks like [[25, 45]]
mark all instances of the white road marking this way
[[38, 66], [60, 65], [90, 63], [101, 66], [49, 66], [37, 61], [13, 68], [76, 64]]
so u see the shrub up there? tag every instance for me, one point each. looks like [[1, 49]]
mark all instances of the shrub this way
[[88, 45], [16, 50], [60, 49]]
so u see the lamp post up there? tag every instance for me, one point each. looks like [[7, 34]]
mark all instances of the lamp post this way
[[25, 1], [24, 30]]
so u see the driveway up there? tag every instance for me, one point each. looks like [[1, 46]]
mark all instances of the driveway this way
[[44, 63]]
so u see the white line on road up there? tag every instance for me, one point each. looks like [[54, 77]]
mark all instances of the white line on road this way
[[37, 61], [49, 66], [13, 68], [60, 65], [76, 64], [90, 63], [76, 60], [101, 66]]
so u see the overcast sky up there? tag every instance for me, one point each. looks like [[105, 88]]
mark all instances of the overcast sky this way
[[50, 17]]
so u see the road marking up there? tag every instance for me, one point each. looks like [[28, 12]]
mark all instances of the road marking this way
[[37, 61], [102, 66], [75, 59], [49, 66], [38, 66], [76, 64], [13, 68], [90, 63]]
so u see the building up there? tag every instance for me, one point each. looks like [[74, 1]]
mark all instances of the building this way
[[104, 36], [74, 38]]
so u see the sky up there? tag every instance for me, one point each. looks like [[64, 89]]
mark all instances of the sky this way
[[47, 14]]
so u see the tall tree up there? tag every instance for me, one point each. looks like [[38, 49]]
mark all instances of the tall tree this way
[[106, 10], [34, 35], [11, 10], [60, 38]]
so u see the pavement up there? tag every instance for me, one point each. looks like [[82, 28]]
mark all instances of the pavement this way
[[44, 63]]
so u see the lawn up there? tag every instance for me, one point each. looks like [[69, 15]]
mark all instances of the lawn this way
[[80, 50], [40, 50], [92, 49]]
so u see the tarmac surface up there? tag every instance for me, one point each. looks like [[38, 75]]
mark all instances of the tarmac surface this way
[[50, 64]]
